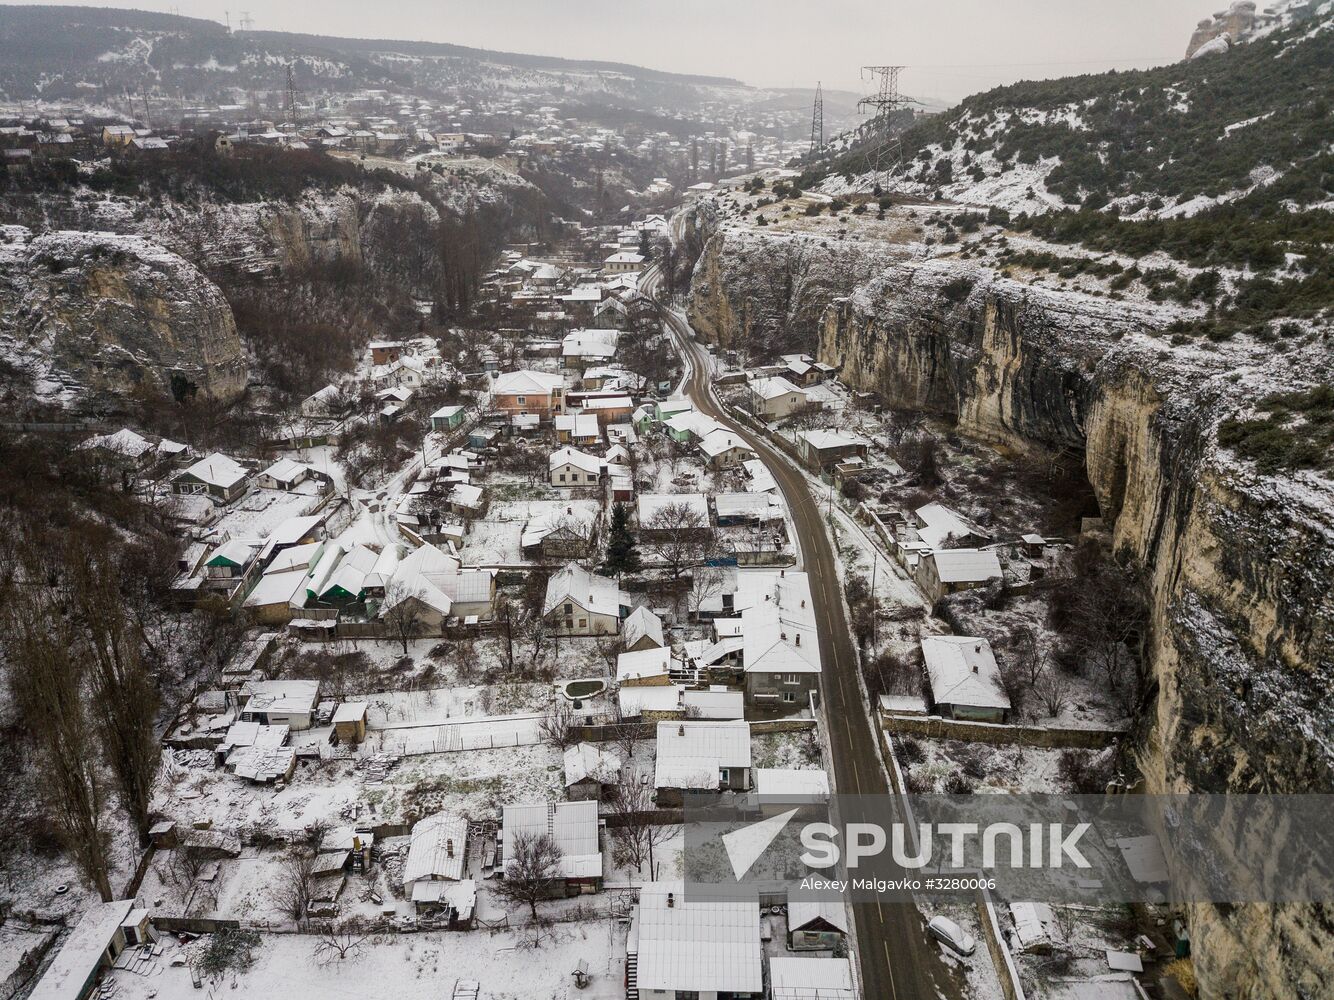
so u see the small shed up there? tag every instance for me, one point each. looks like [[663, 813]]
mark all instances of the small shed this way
[[349, 722]]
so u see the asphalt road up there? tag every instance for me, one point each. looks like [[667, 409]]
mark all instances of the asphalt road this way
[[896, 957]]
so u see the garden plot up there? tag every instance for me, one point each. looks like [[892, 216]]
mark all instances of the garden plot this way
[[943, 765], [507, 965]]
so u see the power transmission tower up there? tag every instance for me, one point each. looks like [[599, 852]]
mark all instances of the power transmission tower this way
[[817, 121], [291, 96], [884, 147]]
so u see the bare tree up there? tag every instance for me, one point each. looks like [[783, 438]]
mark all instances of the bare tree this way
[[336, 942], [557, 727], [296, 878], [47, 683], [531, 871], [676, 535], [1055, 691], [635, 835], [124, 697], [402, 612]]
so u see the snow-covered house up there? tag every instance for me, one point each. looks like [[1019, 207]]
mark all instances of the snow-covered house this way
[[578, 602], [644, 667], [941, 527], [572, 826], [724, 449], [102, 933], [447, 418], [965, 679], [624, 262], [804, 977], [591, 771], [216, 476], [701, 755], [436, 853], [642, 630], [284, 474], [569, 467], [823, 449], [947, 571], [281, 702], [529, 392], [775, 398], [694, 948]]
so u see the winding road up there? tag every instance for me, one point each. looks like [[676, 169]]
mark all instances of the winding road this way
[[896, 957]]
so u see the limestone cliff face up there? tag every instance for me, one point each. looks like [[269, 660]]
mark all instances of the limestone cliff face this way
[[767, 291], [93, 316], [1242, 624]]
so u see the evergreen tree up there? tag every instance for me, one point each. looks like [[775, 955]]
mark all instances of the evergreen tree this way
[[645, 247], [622, 555]]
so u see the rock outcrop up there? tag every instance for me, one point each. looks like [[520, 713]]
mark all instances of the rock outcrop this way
[[766, 291], [94, 316]]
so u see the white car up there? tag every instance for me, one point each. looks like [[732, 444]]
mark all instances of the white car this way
[[951, 935]]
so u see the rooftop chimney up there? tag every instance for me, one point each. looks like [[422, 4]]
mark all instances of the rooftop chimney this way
[[449, 848], [680, 730], [671, 900], [798, 638]]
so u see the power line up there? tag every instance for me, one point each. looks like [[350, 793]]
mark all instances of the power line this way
[[884, 148]]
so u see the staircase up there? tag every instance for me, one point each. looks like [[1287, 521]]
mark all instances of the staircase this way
[[631, 977]]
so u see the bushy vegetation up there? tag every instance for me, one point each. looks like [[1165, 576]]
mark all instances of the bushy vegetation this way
[[1296, 431]]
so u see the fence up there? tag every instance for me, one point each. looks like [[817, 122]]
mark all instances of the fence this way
[[1000, 734], [1001, 958]]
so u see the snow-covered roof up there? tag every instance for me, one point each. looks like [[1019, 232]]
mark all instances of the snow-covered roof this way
[[278, 587], [708, 946], [445, 412], [526, 381], [595, 594], [580, 425], [588, 760], [642, 622], [350, 711], [744, 505], [772, 388], [423, 573], [802, 977], [939, 523], [715, 703], [718, 442], [281, 695], [832, 439], [572, 825], [573, 456], [806, 906], [690, 753], [773, 646], [624, 257], [791, 781], [966, 565], [963, 671], [636, 699], [649, 505], [81, 952], [122, 442], [642, 664], [218, 470], [438, 847], [285, 470]]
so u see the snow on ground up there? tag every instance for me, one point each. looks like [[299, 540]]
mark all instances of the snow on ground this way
[[507, 965]]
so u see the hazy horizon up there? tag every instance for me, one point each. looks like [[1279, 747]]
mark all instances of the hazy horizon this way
[[958, 48]]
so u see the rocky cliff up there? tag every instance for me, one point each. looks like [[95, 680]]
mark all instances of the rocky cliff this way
[[1238, 564], [766, 291], [93, 316]]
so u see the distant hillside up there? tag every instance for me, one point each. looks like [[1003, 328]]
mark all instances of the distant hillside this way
[[61, 53], [1250, 121]]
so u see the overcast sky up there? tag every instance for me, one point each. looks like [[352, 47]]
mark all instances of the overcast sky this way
[[953, 47]]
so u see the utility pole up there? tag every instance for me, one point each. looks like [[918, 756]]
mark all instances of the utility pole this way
[[817, 121], [884, 147]]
